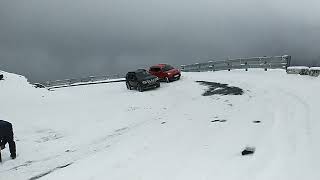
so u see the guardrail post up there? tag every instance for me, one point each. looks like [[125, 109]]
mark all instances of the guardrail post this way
[[182, 67], [288, 60], [68, 81], [246, 64], [229, 67], [210, 66], [265, 66], [198, 66]]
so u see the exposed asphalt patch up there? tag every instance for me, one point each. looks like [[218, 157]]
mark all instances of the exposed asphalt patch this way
[[219, 88]]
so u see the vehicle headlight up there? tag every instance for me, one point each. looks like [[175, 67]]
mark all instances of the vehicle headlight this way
[[144, 82]]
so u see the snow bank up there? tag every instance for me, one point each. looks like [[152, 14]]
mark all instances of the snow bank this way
[[13, 81], [298, 67], [315, 68], [314, 71], [302, 70]]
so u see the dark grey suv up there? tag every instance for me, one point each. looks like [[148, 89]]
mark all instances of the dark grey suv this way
[[141, 80]]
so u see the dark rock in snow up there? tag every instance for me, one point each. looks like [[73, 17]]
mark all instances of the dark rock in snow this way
[[1, 76], [217, 120], [248, 151], [256, 121], [38, 85]]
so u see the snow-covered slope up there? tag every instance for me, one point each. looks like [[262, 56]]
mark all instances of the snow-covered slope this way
[[107, 132]]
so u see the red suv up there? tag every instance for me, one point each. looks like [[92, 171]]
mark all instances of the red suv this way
[[165, 72]]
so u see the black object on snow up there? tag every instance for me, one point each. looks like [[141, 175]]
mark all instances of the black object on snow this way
[[217, 120], [1, 76], [38, 85], [248, 151], [256, 121], [6, 136]]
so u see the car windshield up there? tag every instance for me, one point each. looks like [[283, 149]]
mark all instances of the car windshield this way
[[167, 68], [142, 74], [155, 69]]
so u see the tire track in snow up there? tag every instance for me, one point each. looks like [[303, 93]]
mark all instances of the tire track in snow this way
[[111, 138], [50, 171], [289, 141], [47, 165]]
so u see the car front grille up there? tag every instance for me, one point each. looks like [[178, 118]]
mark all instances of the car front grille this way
[[151, 81]]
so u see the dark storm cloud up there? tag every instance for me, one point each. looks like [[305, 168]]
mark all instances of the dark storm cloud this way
[[53, 39]]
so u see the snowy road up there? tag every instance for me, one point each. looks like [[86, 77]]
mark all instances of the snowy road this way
[[107, 132]]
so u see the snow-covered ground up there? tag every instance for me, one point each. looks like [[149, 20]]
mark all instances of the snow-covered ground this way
[[105, 131]]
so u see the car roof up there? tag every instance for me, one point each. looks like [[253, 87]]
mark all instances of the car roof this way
[[159, 66], [140, 70], [137, 71]]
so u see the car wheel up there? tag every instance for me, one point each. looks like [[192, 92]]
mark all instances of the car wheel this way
[[167, 79], [128, 86], [140, 89]]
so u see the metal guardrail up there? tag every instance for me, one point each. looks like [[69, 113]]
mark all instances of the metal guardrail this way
[[88, 83], [80, 81], [241, 63], [273, 62]]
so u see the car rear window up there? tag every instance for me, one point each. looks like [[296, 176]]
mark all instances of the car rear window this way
[[167, 68]]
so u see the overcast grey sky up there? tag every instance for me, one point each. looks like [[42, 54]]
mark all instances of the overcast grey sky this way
[[55, 39]]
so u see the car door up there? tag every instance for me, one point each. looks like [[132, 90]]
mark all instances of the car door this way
[[156, 71], [162, 73]]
